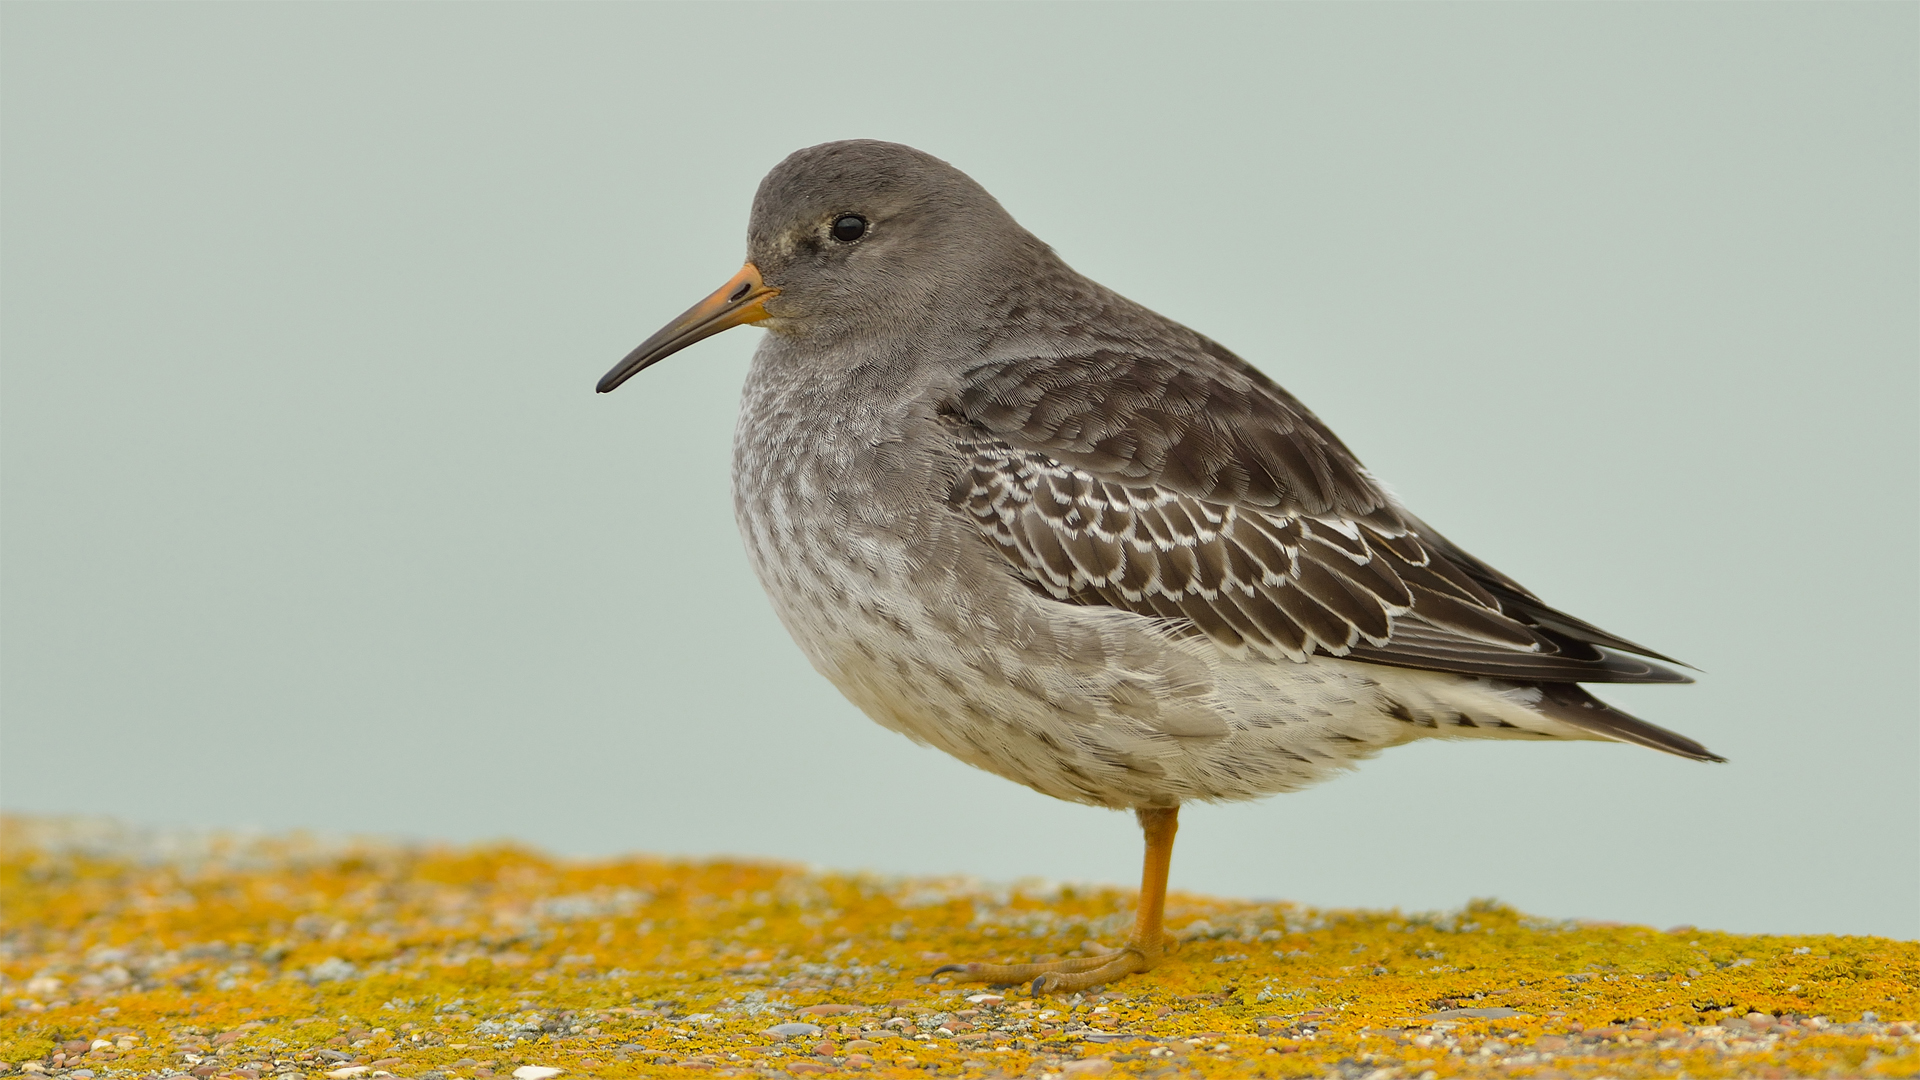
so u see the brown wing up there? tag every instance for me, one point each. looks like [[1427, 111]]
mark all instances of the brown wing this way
[[1208, 426], [1270, 579]]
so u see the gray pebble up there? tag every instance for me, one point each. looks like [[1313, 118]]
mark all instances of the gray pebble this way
[[791, 1031]]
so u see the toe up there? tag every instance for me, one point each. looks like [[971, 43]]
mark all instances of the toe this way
[[1115, 965]]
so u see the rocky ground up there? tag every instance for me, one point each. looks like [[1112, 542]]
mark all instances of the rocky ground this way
[[130, 955]]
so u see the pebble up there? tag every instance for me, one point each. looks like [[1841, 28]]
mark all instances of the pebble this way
[[829, 1010], [784, 1031], [1087, 1067], [349, 1071], [1500, 1013], [986, 999], [536, 1072]]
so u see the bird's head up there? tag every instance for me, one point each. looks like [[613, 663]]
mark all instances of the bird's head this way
[[849, 238]]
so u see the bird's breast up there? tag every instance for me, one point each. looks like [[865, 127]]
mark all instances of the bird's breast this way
[[838, 492]]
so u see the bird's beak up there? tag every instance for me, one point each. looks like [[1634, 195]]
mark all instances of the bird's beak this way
[[741, 300]]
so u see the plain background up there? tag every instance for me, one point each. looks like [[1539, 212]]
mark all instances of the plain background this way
[[313, 520]]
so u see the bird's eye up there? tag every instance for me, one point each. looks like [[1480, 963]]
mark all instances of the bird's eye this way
[[848, 227]]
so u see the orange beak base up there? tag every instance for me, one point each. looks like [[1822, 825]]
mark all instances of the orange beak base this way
[[741, 300]]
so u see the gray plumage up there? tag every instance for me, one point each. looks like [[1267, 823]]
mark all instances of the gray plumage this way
[[1016, 516]]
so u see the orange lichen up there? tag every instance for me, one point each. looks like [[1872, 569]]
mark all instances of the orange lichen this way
[[242, 959]]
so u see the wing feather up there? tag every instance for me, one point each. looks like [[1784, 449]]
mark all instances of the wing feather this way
[[1267, 580]]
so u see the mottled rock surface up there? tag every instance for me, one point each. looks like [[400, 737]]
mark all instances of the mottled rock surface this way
[[126, 954]]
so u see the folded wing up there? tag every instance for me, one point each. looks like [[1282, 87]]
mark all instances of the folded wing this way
[[1203, 494]]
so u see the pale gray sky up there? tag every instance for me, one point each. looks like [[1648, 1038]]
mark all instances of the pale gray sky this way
[[312, 518]]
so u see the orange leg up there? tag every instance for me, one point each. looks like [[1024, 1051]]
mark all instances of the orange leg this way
[[1148, 946]]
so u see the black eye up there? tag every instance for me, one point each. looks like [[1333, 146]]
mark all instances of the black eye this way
[[849, 227]]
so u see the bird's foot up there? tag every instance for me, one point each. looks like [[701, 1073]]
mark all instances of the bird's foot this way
[[1062, 976]]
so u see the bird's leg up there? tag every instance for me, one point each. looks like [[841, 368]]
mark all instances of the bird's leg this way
[[1143, 951]]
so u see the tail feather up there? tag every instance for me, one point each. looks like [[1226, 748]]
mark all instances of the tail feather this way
[[1571, 704]]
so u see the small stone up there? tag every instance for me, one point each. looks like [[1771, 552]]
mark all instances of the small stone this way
[[1494, 1013], [465, 1063], [75, 1046], [1551, 1043], [345, 1073], [860, 1061], [536, 1072], [860, 1046], [808, 1068], [782, 1031], [829, 1010], [1759, 1019], [985, 1000], [386, 1063], [1087, 1067]]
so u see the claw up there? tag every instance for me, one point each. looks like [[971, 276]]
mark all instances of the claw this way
[[944, 968]]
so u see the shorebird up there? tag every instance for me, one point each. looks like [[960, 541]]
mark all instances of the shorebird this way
[[1013, 515]]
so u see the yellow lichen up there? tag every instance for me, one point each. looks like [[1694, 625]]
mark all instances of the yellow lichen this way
[[282, 955]]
